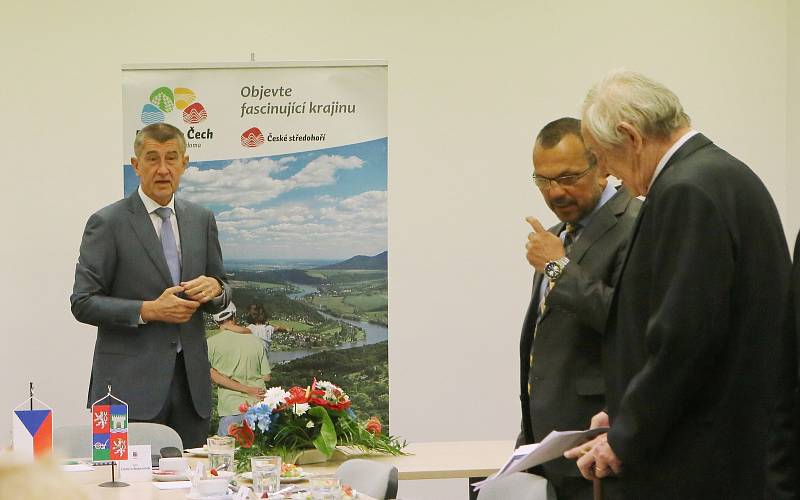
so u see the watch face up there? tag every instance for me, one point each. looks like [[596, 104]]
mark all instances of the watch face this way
[[552, 270]]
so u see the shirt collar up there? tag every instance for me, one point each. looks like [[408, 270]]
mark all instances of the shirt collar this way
[[151, 205], [671, 151]]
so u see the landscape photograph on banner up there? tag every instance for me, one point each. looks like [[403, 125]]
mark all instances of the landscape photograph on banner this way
[[293, 163], [304, 239]]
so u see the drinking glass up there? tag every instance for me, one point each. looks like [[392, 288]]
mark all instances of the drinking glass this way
[[220, 452], [266, 474], [325, 487]]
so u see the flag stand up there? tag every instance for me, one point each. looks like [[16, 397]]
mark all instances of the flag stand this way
[[113, 483], [32, 429]]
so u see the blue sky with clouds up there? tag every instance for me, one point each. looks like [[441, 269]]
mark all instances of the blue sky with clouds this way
[[324, 204]]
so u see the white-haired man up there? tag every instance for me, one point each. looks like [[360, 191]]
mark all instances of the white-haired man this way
[[695, 334]]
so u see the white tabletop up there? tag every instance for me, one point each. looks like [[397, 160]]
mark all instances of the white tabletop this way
[[438, 460]]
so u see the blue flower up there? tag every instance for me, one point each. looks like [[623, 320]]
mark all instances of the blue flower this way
[[259, 416]]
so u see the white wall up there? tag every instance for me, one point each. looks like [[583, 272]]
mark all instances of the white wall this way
[[791, 217], [470, 85]]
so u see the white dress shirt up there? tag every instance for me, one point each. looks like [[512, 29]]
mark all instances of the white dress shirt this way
[[151, 206]]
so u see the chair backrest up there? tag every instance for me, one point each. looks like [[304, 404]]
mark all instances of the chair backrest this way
[[76, 440], [376, 479], [519, 486], [156, 435]]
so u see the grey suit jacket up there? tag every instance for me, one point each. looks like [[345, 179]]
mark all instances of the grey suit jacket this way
[[121, 264], [566, 376]]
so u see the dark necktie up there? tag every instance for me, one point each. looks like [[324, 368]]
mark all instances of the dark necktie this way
[[570, 233], [169, 245]]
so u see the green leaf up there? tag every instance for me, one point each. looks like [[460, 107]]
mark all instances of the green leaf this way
[[326, 441]]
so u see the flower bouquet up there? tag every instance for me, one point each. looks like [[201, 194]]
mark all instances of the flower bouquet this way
[[286, 423]]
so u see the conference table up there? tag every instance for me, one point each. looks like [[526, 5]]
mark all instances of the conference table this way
[[426, 460], [436, 460]]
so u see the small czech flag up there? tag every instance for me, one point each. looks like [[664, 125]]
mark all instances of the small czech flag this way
[[33, 429]]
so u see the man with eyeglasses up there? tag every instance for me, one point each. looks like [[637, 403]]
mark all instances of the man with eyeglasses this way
[[577, 263]]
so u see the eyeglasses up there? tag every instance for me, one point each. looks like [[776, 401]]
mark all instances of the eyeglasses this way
[[562, 180]]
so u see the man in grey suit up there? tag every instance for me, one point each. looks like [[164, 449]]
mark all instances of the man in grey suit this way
[[577, 263], [149, 264]]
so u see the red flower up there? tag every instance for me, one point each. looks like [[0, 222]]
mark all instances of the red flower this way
[[374, 426], [297, 395], [243, 434], [243, 407]]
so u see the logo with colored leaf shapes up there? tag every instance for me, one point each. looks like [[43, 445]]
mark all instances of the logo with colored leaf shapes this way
[[164, 100]]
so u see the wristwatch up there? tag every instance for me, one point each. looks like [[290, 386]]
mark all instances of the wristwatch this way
[[554, 268]]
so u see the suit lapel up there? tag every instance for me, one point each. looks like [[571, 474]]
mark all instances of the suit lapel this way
[[602, 222], [696, 142], [143, 227], [189, 230]]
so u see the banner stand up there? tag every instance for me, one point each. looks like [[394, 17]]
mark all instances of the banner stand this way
[[113, 483], [32, 429]]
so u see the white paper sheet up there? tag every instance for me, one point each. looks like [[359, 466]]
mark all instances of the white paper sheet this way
[[552, 446]]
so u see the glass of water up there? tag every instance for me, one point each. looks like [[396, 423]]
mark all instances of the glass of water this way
[[266, 474], [220, 452], [325, 487]]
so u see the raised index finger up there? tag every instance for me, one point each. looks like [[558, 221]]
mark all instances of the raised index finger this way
[[535, 224]]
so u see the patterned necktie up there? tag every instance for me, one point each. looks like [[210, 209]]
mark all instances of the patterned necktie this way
[[570, 233], [168, 244]]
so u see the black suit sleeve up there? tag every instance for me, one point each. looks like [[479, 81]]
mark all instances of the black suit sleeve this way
[[587, 297], [692, 260], [783, 463]]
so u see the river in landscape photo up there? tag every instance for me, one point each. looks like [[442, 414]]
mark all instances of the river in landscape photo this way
[[374, 333]]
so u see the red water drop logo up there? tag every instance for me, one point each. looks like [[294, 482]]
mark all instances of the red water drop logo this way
[[194, 113], [252, 138]]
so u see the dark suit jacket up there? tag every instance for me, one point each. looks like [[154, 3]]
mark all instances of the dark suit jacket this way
[[122, 264], [567, 378], [696, 332]]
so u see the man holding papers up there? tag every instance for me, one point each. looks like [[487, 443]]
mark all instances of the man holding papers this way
[[576, 262], [695, 335]]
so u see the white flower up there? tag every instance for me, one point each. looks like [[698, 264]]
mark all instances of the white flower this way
[[331, 391], [310, 424], [275, 396], [301, 408]]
